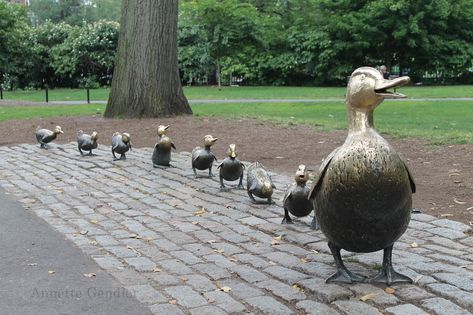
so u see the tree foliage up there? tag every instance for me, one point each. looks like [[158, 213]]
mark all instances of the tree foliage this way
[[280, 42]]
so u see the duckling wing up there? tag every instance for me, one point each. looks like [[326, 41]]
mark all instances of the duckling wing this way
[[173, 146], [115, 142], [288, 193], [411, 179], [323, 168]]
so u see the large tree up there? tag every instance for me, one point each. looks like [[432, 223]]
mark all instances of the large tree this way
[[146, 77]]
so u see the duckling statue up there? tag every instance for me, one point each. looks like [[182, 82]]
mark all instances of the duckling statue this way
[[296, 199], [162, 149], [121, 143], [231, 168], [259, 183], [363, 192], [203, 159], [44, 136], [87, 142]]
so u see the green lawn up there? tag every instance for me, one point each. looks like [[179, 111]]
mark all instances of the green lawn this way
[[440, 122], [264, 92]]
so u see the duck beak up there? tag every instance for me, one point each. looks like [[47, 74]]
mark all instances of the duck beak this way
[[214, 139], [233, 154], [382, 86]]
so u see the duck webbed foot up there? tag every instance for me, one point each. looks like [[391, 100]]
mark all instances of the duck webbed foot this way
[[287, 219], [387, 274], [342, 275], [314, 225]]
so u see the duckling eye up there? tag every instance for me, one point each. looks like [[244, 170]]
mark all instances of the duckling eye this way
[[363, 77]]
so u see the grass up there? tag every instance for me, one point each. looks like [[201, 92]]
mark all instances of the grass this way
[[30, 112], [440, 122], [263, 92]]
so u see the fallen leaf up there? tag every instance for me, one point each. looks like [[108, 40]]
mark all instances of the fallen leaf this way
[[446, 215], [149, 239], [195, 222], [211, 241], [459, 202], [210, 301], [133, 235], [90, 275], [227, 206], [303, 260], [220, 251], [75, 235], [93, 242], [184, 279], [278, 237], [156, 269], [469, 208], [173, 302], [272, 263], [275, 242], [94, 221], [297, 287], [83, 232], [200, 212], [233, 259], [414, 245], [51, 272], [389, 290], [367, 297], [33, 264], [225, 289]]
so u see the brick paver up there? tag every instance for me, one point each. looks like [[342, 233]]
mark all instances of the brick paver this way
[[183, 247]]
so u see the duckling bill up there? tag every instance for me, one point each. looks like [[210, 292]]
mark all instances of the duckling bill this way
[[44, 136], [296, 199], [259, 183], [203, 159], [363, 193]]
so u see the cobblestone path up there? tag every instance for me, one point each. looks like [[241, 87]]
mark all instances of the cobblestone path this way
[[182, 247]]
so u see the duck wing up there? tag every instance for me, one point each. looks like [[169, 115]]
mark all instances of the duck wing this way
[[411, 179], [288, 193], [322, 170]]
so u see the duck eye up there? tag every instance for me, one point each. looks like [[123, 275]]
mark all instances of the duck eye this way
[[363, 77]]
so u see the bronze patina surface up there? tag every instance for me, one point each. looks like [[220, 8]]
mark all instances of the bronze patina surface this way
[[87, 142], [259, 183], [231, 168], [121, 143], [203, 159], [363, 193], [162, 149], [296, 199], [44, 136]]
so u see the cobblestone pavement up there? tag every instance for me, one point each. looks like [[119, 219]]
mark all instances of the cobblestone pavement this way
[[182, 247]]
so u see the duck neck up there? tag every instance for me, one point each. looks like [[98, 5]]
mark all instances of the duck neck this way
[[207, 148], [360, 119]]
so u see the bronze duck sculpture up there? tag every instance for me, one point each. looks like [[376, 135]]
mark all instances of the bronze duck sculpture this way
[[363, 192], [296, 199], [121, 143], [87, 142], [44, 136], [259, 183], [231, 168], [203, 159], [162, 149]]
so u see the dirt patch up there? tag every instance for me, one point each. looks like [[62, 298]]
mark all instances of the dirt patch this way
[[443, 174]]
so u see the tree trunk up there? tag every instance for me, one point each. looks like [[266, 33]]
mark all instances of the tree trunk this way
[[219, 82], [146, 79]]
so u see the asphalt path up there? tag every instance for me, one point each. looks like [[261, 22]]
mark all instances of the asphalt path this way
[[228, 101], [41, 272]]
